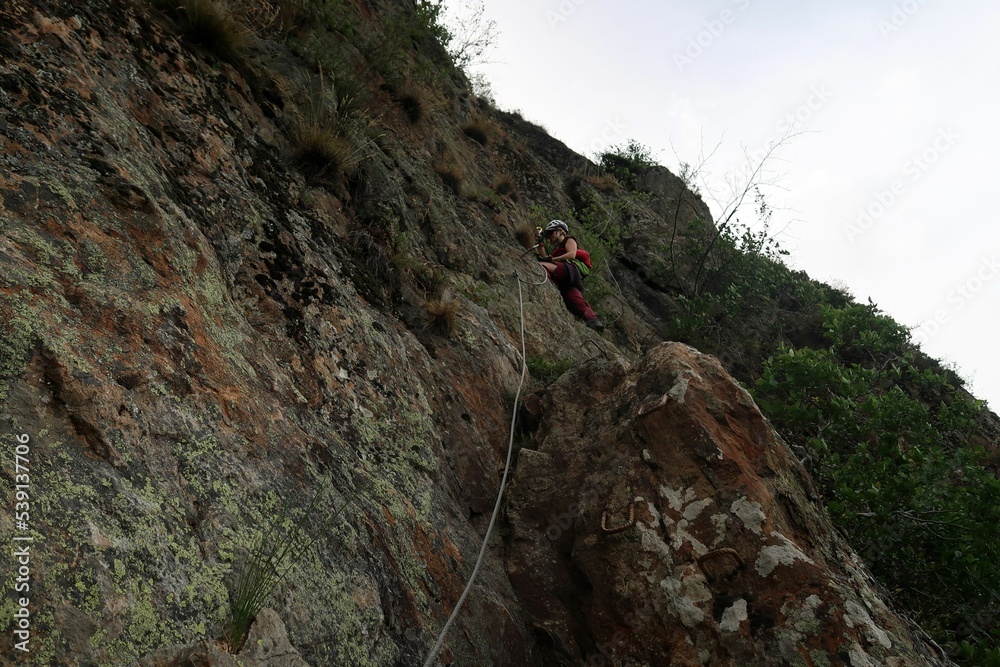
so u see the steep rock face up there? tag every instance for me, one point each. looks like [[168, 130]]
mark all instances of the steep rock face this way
[[195, 335], [185, 347], [729, 561]]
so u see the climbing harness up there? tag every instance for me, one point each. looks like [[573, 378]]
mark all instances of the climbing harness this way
[[503, 482]]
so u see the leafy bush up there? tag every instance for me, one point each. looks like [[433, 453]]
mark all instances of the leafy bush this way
[[726, 281], [900, 476], [627, 162], [429, 23], [860, 334]]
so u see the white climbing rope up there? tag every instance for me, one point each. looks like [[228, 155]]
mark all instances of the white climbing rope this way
[[621, 297], [432, 656]]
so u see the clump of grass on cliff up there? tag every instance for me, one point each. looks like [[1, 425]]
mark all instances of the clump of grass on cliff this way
[[505, 187], [546, 371], [370, 247], [603, 183], [426, 276], [482, 131], [412, 100], [318, 149], [319, 135], [268, 562], [443, 312], [525, 234], [211, 25], [452, 174]]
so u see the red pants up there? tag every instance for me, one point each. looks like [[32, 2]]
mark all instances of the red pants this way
[[570, 283]]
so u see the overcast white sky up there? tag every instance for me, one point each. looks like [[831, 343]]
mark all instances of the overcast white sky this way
[[890, 187]]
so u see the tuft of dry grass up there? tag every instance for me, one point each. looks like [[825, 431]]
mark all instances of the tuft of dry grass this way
[[293, 15], [262, 16], [371, 252], [443, 313], [452, 174], [318, 150], [412, 100], [505, 187], [211, 25], [482, 131], [603, 183], [319, 130], [525, 234]]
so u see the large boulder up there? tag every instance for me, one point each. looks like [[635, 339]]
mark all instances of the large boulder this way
[[658, 519]]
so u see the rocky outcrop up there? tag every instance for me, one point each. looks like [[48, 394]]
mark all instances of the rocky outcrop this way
[[266, 646], [657, 519], [670, 197]]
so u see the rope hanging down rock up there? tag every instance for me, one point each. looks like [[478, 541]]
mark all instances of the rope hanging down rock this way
[[432, 656]]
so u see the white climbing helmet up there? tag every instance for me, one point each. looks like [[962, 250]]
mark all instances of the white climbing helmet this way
[[554, 225]]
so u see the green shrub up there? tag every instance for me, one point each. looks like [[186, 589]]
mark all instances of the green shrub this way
[[546, 371], [860, 334], [900, 476], [627, 162], [429, 22]]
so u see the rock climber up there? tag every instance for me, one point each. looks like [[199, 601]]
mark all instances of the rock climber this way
[[567, 265]]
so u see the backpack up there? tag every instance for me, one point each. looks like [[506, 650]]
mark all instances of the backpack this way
[[582, 262], [582, 259]]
